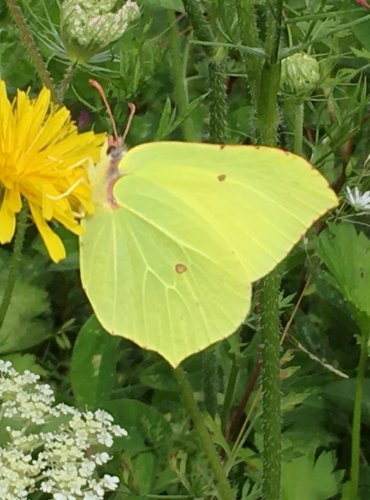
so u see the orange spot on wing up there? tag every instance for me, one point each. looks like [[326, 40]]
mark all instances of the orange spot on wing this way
[[221, 177], [180, 268]]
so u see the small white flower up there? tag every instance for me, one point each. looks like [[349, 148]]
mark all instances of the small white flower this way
[[357, 200], [102, 458], [110, 482], [60, 496], [5, 366]]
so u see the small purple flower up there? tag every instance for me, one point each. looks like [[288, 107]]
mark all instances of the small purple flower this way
[[83, 119]]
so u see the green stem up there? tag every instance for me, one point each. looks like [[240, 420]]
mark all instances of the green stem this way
[[217, 103], [179, 78], [271, 415], [274, 27], [298, 128], [267, 115], [14, 263], [30, 45], [66, 82], [249, 36], [218, 107], [230, 391], [224, 489], [294, 117], [201, 27], [267, 112], [210, 380], [356, 422]]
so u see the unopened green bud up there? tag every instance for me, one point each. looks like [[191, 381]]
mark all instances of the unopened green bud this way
[[300, 73], [89, 26]]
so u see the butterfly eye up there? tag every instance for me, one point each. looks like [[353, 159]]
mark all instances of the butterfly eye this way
[[116, 152]]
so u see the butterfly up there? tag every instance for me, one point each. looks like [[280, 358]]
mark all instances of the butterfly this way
[[183, 230]]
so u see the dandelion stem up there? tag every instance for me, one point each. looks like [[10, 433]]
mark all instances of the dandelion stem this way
[[14, 263], [30, 45], [224, 490]]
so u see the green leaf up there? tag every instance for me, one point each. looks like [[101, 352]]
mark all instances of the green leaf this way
[[159, 376], [362, 30], [346, 254], [145, 467], [22, 362], [169, 122], [341, 394], [166, 121], [305, 478], [26, 323], [93, 365]]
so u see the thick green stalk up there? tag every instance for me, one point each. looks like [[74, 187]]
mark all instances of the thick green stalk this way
[[179, 79], [267, 116], [224, 489], [30, 45], [271, 416], [217, 134], [274, 27], [217, 103], [201, 27], [218, 107], [356, 422], [249, 37], [298, 127], [14, 263], [267, 112]]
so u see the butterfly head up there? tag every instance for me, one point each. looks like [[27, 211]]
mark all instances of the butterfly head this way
[[115, 148]]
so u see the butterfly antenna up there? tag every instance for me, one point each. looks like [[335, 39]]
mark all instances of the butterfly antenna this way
[[132, 108], [100, 89]]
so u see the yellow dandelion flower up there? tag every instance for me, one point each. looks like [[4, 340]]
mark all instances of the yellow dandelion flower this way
[[43, 160]]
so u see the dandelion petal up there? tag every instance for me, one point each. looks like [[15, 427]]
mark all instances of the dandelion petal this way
[[52, 241]]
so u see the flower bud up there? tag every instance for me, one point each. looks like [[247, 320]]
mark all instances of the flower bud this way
[[300, 74], [88, 26]]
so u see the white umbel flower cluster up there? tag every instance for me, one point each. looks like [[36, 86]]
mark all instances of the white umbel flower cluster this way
[[88, 26], [54, 449]]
